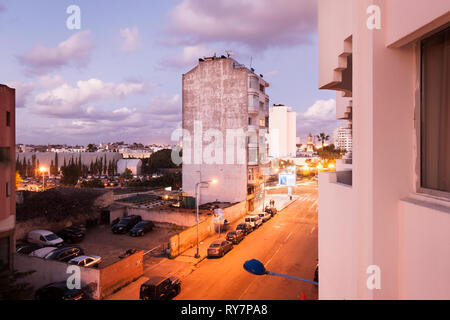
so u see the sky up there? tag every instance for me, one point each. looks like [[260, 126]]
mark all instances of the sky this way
[[118, 77]]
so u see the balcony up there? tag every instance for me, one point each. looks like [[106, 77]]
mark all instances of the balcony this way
[[253, 110]]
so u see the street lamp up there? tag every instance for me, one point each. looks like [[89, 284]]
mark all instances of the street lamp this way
[[42, 170], [257, 268], [264, 186], [197, 192]]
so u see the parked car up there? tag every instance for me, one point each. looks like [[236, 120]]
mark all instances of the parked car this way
[[265, 216], [71, 235], [219, 247], [254, 220], [27, 248], [244, 227], [42, 252], [235, 237], [160, 288], [125, 224], [59, 291], [45, 238], [272, 210], [65, 254], [141, 228], [86, 261]]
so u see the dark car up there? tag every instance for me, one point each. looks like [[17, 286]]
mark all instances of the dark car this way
[[235, 237], [160, 288], [141, 228], [59, 291], [272, 210], [27, 248], [125, 224], [65, 254], [71, 235], [244, 227], [219, 247]]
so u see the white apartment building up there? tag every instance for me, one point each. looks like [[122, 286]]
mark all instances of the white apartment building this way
[[220, 99], [384, 224], [283, 132], [343, 138]]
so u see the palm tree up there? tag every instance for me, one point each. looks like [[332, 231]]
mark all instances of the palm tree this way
[[323, 137]]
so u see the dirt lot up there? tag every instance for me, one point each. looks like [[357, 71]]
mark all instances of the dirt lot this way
[[100, 241]]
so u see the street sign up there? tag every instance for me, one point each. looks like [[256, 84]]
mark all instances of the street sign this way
[[220, 214], [287, 179]]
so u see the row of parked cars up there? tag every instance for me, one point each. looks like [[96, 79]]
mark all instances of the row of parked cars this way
[[52, 246], [252, 222], [133, 225]]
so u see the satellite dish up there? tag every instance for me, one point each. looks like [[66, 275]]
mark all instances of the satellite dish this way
[[229, 53]]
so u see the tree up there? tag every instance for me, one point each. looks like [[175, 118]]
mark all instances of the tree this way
[[323, 137], [56, 168], [91, 147], [70, 175], [128, 175], [330, 153], [158, 160], [10, 289]]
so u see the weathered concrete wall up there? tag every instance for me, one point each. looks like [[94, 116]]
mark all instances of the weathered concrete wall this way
[[188, 238], [121, 273], [49, 271], [180, 218], [215, 94]]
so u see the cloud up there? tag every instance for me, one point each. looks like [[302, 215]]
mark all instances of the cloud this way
[[23, 91], [320, 117], [131, 40], [188, 58], [75, 51], [68, 101], [49, 81], [257, 24]]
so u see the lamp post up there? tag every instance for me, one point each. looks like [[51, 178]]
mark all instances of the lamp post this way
[[197, 192], [42, 170], [257, 268], [264, 186]]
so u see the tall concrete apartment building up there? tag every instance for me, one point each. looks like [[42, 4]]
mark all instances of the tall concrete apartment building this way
[[283, 132], [225, 124], [384, 224], [7, 175], [343, 138]]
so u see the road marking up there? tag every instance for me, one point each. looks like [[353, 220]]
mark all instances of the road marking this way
[[287, 238], [277, 227], [268, 262]]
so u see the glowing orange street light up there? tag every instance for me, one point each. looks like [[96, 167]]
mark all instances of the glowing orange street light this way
[[43, 170]]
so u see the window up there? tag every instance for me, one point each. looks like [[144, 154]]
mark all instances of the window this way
[[8, 189], [253, 83], [249, 121], [262, 88], [435, 112], [8, 119], [262, 123], [4, 154]]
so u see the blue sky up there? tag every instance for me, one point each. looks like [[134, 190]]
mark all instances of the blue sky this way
[[119, 76]]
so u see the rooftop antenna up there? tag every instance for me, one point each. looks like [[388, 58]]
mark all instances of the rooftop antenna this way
[[229, 53]]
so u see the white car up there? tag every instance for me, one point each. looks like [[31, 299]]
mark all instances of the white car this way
[[45, 238], [41, 253], [265, 216], [254, 221], [86, 261]]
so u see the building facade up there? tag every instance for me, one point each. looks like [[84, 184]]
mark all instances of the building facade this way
[[343, 138], [283, 132], [225, 126], [383, 224], [7, 174]]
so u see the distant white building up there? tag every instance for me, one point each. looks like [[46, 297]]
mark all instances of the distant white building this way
[[282, 129], [343, 138], [135, 165]]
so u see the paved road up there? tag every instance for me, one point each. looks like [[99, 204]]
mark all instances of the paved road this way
[[285, 244]]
